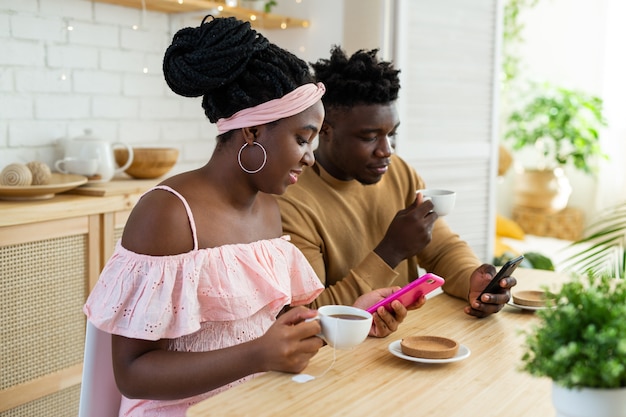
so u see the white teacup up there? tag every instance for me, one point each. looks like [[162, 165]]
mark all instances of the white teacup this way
[[443, 200], [344, 327], [69, 165]]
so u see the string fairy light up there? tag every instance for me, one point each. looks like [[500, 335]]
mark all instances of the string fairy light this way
[[143, 20], [67, 26]]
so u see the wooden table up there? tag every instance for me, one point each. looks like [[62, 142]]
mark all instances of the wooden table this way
[[369, 381]]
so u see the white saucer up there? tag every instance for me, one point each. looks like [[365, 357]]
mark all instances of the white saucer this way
[[396, 350], [529, 308]]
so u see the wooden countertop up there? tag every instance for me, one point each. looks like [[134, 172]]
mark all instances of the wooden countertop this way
[[106, 197], [369, 380]]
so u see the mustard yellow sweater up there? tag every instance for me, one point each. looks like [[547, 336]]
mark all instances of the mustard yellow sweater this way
[[337, 224]]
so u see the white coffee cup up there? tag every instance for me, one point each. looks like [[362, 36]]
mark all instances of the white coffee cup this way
[[69, 165], [344, 327], [443, 200]]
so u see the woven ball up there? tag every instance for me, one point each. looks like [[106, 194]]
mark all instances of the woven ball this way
[[41, 172], [16, 175]]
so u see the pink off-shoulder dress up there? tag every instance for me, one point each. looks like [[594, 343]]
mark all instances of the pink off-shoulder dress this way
[[202, 300]]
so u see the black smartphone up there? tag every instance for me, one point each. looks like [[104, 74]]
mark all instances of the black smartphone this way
[[506, 270]]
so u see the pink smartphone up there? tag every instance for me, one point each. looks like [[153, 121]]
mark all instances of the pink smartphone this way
[[410, 293]]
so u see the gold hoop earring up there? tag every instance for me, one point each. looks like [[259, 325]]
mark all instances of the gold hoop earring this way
[[264, 158]]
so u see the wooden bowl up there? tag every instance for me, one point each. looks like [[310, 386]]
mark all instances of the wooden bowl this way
[[147, 162], [429, 347]]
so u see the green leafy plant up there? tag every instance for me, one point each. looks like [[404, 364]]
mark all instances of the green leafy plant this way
[[562, 124], [603, 247], [533, 260], [268, 6], [512, 36], [582, 341]]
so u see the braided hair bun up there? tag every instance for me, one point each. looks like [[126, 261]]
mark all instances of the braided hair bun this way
[[231, 65]]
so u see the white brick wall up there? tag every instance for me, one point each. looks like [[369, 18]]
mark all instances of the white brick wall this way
[[3, 134], [54, 83], [21, 53]]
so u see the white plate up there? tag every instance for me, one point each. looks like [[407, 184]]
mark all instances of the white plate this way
[[396, 350], [529, 308]]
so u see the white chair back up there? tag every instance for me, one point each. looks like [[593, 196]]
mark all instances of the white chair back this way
[[99, 396]]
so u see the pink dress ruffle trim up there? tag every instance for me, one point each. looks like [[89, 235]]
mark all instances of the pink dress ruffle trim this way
[[165, 297]]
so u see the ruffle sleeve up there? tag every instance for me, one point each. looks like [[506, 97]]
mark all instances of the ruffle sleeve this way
[[156, 297]]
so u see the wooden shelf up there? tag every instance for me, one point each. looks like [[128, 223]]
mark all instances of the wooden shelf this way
[[256, 18]]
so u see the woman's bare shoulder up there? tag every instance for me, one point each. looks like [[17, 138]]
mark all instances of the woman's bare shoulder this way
[[158, 225]]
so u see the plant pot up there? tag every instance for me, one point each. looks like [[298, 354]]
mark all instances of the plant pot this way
[[548, 190], [587, 402]]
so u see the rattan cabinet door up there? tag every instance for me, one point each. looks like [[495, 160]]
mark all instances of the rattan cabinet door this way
[[44, 269]]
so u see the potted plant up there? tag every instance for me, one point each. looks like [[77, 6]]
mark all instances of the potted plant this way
[[581, 345], [562, 126]]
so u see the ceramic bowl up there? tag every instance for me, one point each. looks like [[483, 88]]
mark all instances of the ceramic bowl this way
[[148, 163]]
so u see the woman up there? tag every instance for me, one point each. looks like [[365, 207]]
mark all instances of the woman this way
[[193, 290]]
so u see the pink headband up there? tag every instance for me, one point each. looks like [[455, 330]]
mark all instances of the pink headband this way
[[290, 104]]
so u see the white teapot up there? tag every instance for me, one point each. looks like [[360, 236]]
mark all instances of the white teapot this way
[[91, 147]]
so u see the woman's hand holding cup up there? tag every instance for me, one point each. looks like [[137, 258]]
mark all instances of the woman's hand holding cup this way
[[343, 327]]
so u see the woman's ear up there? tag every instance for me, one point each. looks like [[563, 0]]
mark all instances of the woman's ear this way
[[250, 134]]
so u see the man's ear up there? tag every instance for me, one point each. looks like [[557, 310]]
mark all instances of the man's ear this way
[[326, 129]]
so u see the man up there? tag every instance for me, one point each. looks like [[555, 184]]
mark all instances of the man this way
[[355, 213]]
